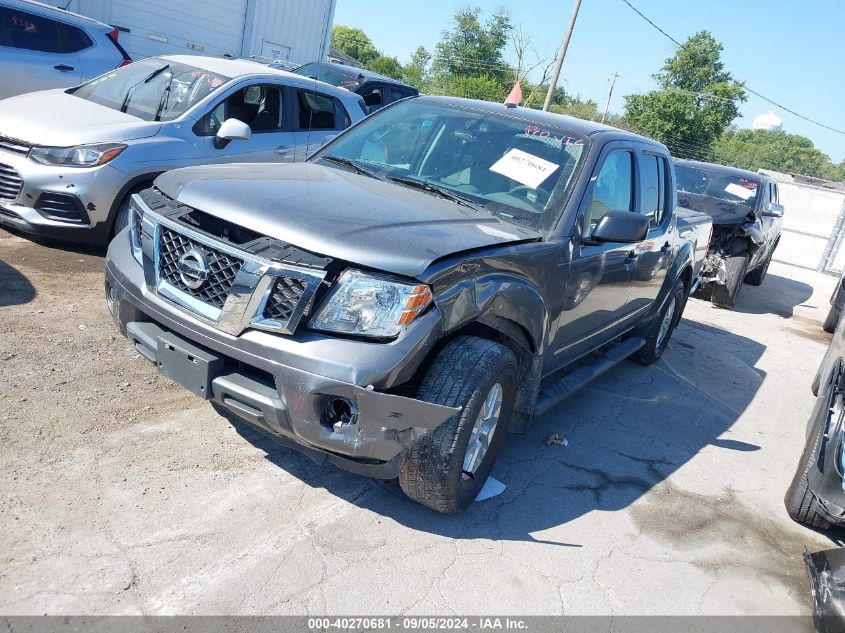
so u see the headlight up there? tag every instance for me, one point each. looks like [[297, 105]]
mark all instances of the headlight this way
[[371, 305], [80, 156], [136, 215]]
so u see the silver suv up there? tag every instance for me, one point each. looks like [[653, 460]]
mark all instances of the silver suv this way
[[42, 47], [70, 159]]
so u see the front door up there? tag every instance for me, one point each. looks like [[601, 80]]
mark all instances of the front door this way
[[599, 281], [261, 106]]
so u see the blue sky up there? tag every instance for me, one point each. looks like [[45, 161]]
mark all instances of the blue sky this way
[[792, 52]]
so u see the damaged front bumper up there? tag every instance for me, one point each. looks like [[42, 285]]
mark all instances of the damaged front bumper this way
[[728, 241], [297, 389]]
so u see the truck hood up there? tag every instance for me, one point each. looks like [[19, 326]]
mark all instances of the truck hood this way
[[53, 117], [340, 214], [722, 211]]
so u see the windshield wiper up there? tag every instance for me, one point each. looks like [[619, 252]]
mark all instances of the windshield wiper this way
[[165, 97], [351, 163], [441, 191], [145, 80]]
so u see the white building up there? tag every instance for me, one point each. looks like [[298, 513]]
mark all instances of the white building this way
[[295, 30]]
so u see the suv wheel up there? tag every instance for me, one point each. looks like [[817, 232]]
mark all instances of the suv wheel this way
[[446, 469]]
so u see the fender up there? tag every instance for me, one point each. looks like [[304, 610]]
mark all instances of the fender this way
[[124, 190], [502, 297]]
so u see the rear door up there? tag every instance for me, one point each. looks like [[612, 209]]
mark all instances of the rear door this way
[[596, 294], [317, 118], [38, 53], [656, 253]]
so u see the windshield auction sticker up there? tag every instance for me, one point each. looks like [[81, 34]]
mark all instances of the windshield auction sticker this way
[[524, 168], [739, 191]]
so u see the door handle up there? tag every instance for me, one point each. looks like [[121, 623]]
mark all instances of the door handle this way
[[282, 150], [64, 68]]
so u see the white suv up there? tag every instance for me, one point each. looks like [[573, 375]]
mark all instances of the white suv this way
[[42, 47]]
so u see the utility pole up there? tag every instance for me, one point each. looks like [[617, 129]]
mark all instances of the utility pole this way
[[612, 79], [561, 54]]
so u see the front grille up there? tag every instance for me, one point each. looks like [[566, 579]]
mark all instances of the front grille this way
[[284, 298], [10, 182], [222, 268], [14, 146]]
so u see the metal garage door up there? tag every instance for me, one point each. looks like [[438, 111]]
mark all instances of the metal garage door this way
[[209, 27]]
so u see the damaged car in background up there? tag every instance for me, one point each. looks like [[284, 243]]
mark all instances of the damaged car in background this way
[[436, 276], [747, 219]]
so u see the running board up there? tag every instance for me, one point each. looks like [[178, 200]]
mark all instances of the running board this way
[[571, 383]]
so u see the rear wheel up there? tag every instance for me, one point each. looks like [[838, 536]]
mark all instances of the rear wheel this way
[[799, 500], [446, 468], [831, 320], [724, 295], [661, 329], [756, 276]]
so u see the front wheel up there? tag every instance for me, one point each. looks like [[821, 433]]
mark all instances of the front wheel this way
[[724, 295], [446, 468], [799, 500], [661, 329], [756, 276]]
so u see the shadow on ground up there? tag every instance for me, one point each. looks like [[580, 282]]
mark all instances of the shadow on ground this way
[[622, 438], [15, 288], [776, 295]]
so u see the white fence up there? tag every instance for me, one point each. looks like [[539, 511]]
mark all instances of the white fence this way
[[813, 227]]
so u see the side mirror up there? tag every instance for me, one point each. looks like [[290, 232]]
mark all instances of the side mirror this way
[[773, 210], [232, 130], [625, 227]]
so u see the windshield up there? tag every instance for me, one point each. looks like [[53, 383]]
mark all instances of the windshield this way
[[152, 89], [504, 165], [717, 184], [321, 72]]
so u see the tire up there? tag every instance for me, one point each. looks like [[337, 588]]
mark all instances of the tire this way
[[655, 344], [831, 320], [756, 276], [724, 296], [464, 374], [799, 500], [121, 217]]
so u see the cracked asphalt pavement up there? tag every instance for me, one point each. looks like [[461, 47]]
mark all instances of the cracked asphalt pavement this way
[[122, 493]]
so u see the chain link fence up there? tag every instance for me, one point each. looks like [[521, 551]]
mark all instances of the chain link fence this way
[[813, 234]]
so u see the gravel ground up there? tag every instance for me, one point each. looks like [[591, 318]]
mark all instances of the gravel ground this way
[[122, 493]]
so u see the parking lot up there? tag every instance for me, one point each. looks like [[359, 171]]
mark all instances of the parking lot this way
[[120, 492]]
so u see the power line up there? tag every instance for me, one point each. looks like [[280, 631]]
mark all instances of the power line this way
[[744, 86]]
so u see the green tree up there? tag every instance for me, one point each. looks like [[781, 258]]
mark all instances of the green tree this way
[[470, 56], [415, 73], [354, 42], [777, 150], [696, 102], [387, 66]]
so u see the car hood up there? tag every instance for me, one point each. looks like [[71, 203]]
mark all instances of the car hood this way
[[340, 214], [722, 211], [53, 117]]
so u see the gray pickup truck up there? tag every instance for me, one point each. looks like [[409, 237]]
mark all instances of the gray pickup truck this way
[[438, 274]]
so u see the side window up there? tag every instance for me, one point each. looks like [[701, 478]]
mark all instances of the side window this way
[[259, 106], [20, 29], [73, 39], [613, 189], [650, 188], [374, 97], [320, 112]]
